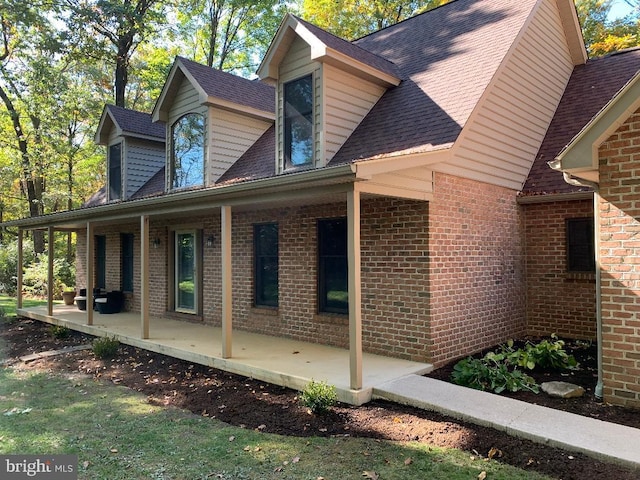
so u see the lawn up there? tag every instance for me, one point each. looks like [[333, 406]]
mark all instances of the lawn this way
[[8, 304], [117, 434]]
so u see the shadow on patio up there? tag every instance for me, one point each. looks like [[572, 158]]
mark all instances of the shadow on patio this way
[[280, 361]]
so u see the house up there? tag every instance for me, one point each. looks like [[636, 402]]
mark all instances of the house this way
[[375, 195]]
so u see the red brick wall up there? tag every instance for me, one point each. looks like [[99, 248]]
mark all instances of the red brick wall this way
[[620, 263], [558, 301], [477, 272], [440, 279]]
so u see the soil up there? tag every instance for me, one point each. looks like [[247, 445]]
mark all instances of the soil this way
[[249, 403]]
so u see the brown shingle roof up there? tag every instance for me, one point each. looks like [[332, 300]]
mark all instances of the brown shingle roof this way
[[137, 123], [351, 49], [259, 161], [447, 57], [590, 88], [229, 87]]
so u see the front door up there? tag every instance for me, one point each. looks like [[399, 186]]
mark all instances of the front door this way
[[186, 281]]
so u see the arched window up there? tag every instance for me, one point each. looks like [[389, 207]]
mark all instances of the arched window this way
[[187, 151]]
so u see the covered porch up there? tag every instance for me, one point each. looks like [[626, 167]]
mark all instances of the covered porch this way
[[280, 361]]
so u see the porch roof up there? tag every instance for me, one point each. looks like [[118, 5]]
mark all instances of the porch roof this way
[[280, 361]]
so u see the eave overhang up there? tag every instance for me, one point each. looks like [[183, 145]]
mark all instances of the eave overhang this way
[[580, 157], [290, 28]]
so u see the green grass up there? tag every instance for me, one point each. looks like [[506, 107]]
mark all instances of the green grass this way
[[118, 435], [8, 304]]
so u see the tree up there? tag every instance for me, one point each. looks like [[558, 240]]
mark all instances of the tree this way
[[122, 25], [350, 20], [602, 36], [228, 34]]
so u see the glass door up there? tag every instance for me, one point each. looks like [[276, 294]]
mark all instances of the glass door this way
[[185, 272]]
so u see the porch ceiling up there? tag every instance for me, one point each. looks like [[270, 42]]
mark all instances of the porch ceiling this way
[[280, 361]]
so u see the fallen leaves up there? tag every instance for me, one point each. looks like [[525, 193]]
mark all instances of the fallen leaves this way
[[370, 474], [482, 475]]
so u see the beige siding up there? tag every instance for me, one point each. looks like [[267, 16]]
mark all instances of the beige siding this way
[[297, 63], [347, 99], [231, 135], [500, 140]]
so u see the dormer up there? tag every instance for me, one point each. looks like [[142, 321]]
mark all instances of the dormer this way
[[325, 86], [135, 150], [212, 118]]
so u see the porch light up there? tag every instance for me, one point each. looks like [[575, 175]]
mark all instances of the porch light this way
[[210, 240], [156, 242]]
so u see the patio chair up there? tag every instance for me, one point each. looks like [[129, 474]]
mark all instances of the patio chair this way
[[111, 302]]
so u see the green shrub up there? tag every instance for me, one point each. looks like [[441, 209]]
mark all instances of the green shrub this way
[[319, 396], [105, 347], [59, 331], [36, 274], [548, 354], [488, 374]]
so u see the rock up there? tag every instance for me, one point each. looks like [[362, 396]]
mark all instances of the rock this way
[[562, 389]]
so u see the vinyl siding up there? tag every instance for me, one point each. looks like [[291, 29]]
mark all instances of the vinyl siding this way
[[501, 138], [231, 135], [347, 101], [143, 160]]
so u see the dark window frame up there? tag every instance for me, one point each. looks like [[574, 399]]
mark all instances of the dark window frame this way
[[127, 253], [115, 171], [580, 244], [264, 264], [294, 115], [332, 260]]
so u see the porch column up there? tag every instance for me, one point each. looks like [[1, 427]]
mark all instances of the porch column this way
[[355, 287], [50, 286], [89, 272], [225, 260], [144, 275], [20, 264]]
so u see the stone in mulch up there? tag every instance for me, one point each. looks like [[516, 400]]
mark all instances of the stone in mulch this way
[[562, 389]]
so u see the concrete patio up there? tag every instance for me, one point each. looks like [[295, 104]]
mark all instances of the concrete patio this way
[[280, 361]]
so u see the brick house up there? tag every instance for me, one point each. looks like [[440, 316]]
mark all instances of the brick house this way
[[366, 195]]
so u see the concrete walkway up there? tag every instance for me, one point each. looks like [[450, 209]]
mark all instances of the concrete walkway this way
[[603, 440]]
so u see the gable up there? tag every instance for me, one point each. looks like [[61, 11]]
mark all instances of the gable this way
[[499, 142]]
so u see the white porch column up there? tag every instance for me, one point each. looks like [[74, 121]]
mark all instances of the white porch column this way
[[144, 275], [225, 259], [50, 252], [89, 272], [20, 265], [355, 287]]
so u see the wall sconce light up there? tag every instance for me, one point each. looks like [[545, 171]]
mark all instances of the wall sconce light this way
[[210, 240], [156, 242]]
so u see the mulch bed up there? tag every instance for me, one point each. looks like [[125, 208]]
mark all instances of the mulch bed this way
[[249, 403]]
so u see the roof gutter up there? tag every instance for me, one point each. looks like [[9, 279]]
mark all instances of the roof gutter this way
[[238, 194]]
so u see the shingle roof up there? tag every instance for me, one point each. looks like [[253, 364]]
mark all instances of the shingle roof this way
[[590, 88], [447, 57], [259, 161], [351, 49], [137, 123], [229, 87], [153, 187]]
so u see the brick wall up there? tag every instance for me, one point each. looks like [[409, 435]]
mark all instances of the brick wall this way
[[558, 301], [620, 263], [477, 269]]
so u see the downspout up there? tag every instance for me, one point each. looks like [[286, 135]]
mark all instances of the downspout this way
[[596, 245]]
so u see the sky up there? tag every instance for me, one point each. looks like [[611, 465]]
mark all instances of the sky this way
[[619, 9]]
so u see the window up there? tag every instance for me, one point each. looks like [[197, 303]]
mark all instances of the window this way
[[115, 171], [127, 261], [265, 246], [187, 151], [186, 284], [298, 122], [580, 248], [332, 266], [101, 261]]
